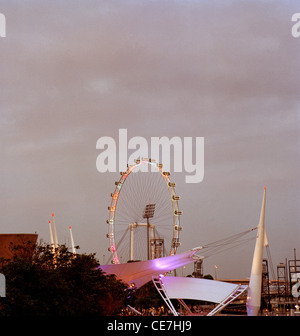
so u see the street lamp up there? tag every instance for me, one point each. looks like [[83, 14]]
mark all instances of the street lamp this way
[[216, 267]]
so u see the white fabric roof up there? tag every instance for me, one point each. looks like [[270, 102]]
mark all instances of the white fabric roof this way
[[197, 289], [141, 272]]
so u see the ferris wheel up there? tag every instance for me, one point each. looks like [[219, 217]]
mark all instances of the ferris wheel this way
[[144, 216]]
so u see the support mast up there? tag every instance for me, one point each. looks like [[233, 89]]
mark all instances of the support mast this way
[[254, 290]]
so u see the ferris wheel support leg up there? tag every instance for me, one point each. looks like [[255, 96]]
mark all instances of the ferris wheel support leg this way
[[148, 239], [152, 244], [131, 242]]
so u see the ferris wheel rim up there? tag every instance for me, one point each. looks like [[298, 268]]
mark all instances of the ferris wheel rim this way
[[176, 227]]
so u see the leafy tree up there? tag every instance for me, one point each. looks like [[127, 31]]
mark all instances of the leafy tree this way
[[44, 283], [208, 276]]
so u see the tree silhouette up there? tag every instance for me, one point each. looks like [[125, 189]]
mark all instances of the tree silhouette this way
[[44, 283]]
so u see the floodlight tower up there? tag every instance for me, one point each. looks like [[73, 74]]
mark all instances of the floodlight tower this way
[[148, 213]]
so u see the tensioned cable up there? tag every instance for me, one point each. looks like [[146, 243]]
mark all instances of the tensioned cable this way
[[232, 242], [226, 243], [229, 238], [226, 247]]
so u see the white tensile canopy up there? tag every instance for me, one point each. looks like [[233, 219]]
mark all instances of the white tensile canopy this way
[[181, 288], [139, 273], [197, 289]]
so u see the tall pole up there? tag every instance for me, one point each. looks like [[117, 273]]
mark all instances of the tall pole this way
[[55, 252], [148, 213], [54, 232], [295, 261], [148, 239], [131, 256], [72, 240], [254, 290], [216, 268], [153, 247], [51, 237]]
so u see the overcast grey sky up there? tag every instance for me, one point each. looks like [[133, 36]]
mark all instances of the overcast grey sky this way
[[74, 71]]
